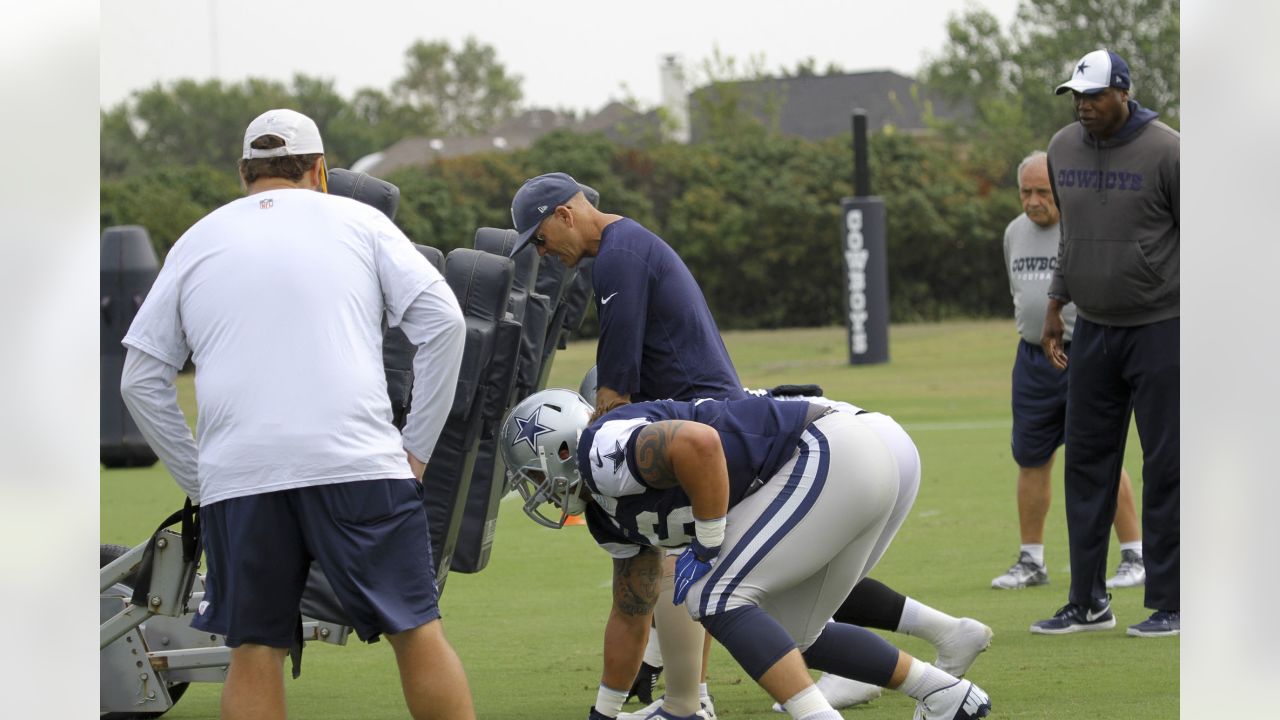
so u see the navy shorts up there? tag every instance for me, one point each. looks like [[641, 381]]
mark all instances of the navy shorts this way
[[370, 537], [1039, 406]]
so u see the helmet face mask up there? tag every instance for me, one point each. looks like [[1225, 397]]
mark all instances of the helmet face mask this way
[[548, 502], [539, 442]]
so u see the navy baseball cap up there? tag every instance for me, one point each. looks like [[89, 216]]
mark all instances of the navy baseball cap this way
[[1096, 72], [536, 200]]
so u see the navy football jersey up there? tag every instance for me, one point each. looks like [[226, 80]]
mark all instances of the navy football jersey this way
[[759, 436], [657, 337]]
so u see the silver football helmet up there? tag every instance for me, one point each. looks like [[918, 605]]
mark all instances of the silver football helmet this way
[[588, 387], [539, 442]]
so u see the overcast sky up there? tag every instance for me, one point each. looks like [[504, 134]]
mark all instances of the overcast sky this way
[[571, 54]]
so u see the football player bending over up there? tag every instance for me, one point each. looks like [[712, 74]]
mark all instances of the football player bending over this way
[[782, 508]]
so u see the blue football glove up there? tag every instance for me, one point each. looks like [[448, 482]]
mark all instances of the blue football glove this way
[[692, 564]]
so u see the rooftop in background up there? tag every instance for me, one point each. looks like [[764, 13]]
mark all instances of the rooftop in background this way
[[818, 107], [815, 107], [519, 132]]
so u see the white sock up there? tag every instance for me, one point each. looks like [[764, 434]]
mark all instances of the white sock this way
[[1135, 546], [923, 621], [653, 651], [923, 678], [809, 704], [1036, 552], [609, 701], [702, 692]]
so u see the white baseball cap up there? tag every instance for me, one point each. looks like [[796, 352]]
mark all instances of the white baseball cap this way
[[1096, 72], [299, 132]]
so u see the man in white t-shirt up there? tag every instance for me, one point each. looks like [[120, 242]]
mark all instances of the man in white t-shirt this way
[[1039, 396], [280, 298]]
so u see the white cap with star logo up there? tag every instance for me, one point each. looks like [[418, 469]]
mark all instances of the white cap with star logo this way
[[1096, 72]]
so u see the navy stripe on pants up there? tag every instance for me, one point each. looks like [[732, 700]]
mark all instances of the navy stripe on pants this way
[[747, 553]]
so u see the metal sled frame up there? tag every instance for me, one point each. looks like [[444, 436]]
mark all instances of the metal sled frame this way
[[146, 650]]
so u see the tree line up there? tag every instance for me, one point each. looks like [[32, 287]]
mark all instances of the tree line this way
[[754, 214]]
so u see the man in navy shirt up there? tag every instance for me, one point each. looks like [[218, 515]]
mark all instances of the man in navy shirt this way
[[780, 507], [658, 340], [657, 337]]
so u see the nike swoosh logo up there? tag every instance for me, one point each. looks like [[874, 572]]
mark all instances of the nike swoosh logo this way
[[605, 301], [1091, 615]]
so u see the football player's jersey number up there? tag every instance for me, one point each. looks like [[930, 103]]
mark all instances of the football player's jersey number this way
[[675, 533]]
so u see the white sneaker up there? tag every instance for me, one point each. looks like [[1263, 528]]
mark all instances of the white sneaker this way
[[961, 701], [958, 650], [842, 692], [706, 712], [1131, 572], [1025, 572]]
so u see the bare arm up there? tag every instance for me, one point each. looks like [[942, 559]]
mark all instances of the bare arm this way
[[688, 454], [635, 590]]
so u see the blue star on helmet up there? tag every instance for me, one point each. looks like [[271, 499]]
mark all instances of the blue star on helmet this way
[[1080, 68], [528, 430], [618, 456]]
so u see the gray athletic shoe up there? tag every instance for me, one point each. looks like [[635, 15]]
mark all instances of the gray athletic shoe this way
[[1162, 623], [1024, 573], [1131, 572]]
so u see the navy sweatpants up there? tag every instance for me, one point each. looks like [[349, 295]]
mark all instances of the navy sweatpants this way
[[1110, 368]]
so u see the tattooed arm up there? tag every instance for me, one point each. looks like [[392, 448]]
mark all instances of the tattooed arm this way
[[688, 454], [635, 590]]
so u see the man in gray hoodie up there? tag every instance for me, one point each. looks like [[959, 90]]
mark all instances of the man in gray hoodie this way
[[1115, 180]]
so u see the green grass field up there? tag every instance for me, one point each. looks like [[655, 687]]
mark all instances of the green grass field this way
[[529, 627]]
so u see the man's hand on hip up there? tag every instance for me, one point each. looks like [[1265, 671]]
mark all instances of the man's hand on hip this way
[[417, 466]]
